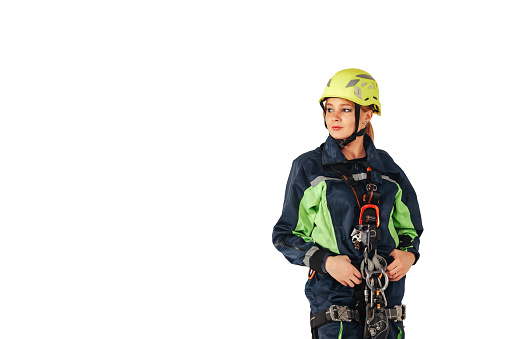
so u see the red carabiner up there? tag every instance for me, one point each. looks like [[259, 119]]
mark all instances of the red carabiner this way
[[375, 207]]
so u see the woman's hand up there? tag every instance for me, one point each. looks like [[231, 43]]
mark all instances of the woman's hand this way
[[340, 268], [402, 263]]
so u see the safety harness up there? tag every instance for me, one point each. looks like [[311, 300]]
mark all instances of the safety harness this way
[[373, 266], [345, 313]]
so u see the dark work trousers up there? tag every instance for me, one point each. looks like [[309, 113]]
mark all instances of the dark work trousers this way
[[323, 291]]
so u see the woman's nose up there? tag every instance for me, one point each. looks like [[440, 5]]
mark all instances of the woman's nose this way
[[336, 116]]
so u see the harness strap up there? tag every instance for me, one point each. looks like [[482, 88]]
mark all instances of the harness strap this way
[[334, 313], [344, 313], [342, 171]]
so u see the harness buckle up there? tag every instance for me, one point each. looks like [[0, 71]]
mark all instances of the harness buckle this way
[[397, 313], [339, 313], [360, 235], [400, 312], [371, 187]]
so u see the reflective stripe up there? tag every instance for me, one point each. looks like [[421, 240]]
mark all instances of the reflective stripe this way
[[321, 178], [309, 254], [389, 179], [356, 177], [360, 176]]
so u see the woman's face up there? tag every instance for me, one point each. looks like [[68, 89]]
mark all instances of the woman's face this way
[[340, 117]]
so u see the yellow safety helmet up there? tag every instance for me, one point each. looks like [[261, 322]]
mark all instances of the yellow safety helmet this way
[[355, 85]]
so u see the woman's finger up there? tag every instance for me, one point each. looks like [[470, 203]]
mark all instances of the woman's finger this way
[[393, 265], [393, 278], [397, 277], [392, 272], [356, 280]]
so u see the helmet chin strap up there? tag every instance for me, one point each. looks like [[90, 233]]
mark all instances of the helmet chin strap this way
[[343, 142]]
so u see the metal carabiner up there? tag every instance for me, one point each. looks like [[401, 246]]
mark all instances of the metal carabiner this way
[[371, 187], [371, 285]]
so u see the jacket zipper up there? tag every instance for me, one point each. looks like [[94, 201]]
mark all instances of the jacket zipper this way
[[294, 247]]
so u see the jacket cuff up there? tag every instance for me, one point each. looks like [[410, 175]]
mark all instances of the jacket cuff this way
[[315, 259], [406, 243]]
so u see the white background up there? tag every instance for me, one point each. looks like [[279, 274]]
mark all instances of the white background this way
[[145, 148]]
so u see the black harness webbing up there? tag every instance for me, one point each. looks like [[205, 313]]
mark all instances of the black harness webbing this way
[[342, 171], [344, 313], [367, 203], [334, 313]]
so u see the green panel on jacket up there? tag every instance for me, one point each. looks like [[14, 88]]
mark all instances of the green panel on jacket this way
[[401, 222], [313, 211]]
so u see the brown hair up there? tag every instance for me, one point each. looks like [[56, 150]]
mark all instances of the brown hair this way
[[369, 127], [369, 131]]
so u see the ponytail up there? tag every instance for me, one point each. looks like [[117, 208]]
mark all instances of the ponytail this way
[[369, 131], [369, 128]]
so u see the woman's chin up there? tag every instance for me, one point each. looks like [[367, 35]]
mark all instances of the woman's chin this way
[[338, 134]]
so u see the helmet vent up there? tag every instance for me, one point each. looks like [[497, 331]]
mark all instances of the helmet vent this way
[[352, 83], [357, 92], [328, 84], [365, 76]]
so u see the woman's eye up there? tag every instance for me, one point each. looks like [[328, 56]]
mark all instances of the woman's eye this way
[[345, 110]]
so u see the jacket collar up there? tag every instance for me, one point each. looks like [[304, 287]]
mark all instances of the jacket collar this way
[[332, 153]]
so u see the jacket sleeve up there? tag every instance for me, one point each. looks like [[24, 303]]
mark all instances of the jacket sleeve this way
[[407, 217], [292, 233]]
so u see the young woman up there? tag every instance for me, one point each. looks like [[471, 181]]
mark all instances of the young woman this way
[[351, 215]]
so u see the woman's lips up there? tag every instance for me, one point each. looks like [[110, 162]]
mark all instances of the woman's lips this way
[[336, 128]]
